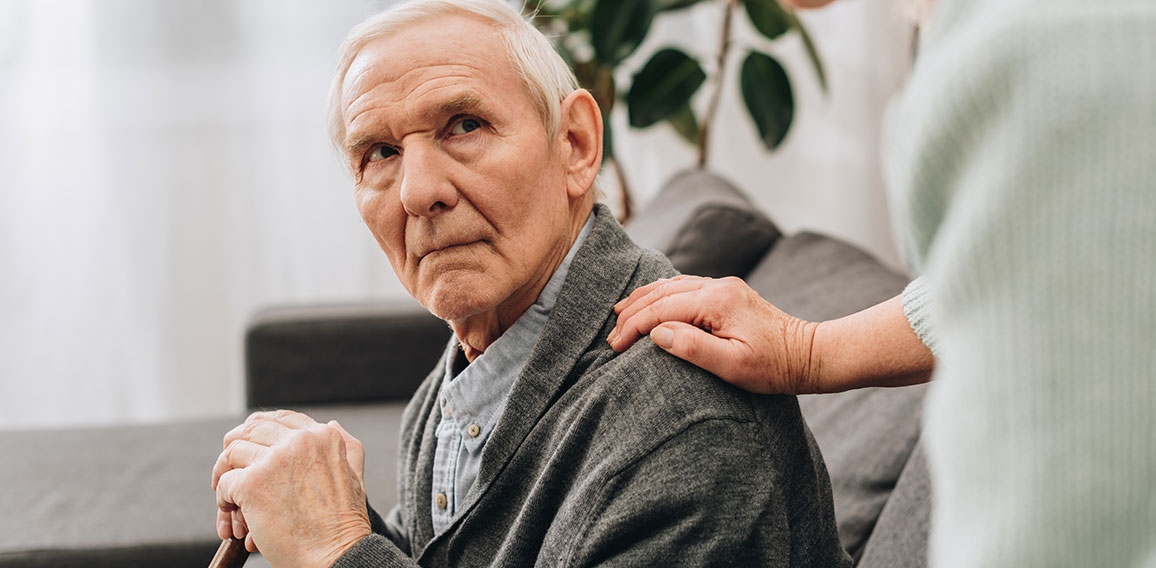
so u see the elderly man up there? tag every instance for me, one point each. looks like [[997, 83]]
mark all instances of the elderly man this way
[[474, 156]]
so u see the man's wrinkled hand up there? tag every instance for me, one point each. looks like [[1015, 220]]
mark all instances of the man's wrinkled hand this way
[[291, 487]]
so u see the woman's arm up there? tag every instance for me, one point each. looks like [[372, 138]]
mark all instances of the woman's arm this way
[[873, 348], [726, 328]]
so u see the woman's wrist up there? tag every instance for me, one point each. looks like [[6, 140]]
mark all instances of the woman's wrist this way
[[872, 348], [803, 368], [829, 367]]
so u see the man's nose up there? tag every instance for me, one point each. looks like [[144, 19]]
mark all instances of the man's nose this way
[[426, 189]]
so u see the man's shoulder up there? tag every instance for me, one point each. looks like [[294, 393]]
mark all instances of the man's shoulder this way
[[645, 385], [652, 265], [668, 384], [647, 395]]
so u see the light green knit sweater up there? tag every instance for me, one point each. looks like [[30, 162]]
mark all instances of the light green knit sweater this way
[[1022, 162]]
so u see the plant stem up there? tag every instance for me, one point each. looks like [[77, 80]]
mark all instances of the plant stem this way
[[623, 190], [604, 90], [716, 87]]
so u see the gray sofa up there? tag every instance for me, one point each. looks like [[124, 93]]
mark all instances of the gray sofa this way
[[139, 495]]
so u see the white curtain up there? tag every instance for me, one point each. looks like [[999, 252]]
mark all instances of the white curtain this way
[[164, 172]]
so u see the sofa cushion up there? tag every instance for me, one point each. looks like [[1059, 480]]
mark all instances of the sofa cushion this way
[[705, 226], [866, 435], [900, 537]]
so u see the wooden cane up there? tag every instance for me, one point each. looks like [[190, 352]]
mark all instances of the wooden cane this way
[[231, 554]]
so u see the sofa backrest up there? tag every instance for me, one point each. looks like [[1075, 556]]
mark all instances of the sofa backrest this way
[[340, 353]]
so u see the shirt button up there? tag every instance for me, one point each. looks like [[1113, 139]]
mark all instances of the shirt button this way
[[442, 502], [473, 430]]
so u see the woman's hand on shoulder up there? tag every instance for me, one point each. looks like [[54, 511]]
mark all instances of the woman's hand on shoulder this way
[[725, 327]]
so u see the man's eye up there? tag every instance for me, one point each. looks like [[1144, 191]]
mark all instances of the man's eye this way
[[465, 126], [381, 153]]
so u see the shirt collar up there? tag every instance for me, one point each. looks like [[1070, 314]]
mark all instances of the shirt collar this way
[[477, 396]]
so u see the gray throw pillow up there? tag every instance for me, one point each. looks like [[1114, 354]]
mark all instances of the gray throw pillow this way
[[705, 226]]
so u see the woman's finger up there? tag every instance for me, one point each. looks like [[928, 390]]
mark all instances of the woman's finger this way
[[682, 281], [663, 290], [687, 307], [714, 354]]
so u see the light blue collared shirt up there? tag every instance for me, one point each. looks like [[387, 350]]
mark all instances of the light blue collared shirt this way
[[473, 401]]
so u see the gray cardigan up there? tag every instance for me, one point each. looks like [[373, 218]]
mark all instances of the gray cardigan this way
[[636, 458]]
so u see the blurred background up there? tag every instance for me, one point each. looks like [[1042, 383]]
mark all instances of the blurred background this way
[[165, 172]]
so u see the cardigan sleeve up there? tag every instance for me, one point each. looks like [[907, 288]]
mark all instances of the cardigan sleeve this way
[[382, 548], [374, 551], [916, 306]]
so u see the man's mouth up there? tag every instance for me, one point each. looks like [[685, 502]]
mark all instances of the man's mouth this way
[[444, 247]]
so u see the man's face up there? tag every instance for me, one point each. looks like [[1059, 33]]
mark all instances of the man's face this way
[[455, 175]]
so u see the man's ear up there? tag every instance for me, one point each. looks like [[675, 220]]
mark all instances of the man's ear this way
[[580, 134]]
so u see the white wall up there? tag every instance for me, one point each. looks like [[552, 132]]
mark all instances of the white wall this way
[[164, 171]]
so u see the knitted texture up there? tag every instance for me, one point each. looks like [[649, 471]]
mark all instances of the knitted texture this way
[[1022, 157], [916, 300]]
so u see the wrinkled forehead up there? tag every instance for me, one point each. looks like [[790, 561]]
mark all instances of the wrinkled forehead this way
[[449, 45]]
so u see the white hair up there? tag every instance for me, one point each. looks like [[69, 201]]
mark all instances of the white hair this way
[[546, 76]]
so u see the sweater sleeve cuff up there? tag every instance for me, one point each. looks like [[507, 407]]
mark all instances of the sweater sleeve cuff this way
[[916, 307], [373, 551]]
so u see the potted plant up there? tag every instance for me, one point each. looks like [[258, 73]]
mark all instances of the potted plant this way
[[596, 36]]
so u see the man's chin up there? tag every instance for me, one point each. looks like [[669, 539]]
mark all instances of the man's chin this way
[[456, 292], [453, 311], [456, 305]]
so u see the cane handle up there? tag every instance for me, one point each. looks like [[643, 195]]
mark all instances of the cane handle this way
[[231, 554]]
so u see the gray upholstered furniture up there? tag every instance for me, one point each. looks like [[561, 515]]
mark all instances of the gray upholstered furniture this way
[[139, 495]]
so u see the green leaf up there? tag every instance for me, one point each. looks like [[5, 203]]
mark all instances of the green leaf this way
[[767, 94], [768, 17], [578, 14], [671, 5], [685, 124], [663, 86], [618, 26], [812, 53]]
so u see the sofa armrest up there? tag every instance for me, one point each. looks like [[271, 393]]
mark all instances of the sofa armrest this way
[[138, 495], [323, 354]]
